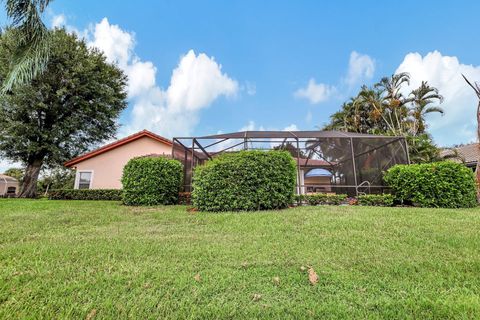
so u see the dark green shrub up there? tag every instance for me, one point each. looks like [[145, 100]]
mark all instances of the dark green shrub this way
[[440, 184], [245, 180], [321, 199], [381, 200], [151, 181], [86, 194]]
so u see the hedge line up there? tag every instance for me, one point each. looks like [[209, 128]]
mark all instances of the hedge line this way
[[86, 194]]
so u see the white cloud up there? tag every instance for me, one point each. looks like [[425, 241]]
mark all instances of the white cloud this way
[[316, 92], [6, 164], [458, 125], [292, 127], [251, 126], [195, 83], [58, 21], [360, 67]]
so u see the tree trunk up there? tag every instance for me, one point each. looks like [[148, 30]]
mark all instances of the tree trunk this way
[[477, 169], [29, 186]]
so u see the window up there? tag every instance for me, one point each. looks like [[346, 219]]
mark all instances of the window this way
[[11, 190], [84, 179]]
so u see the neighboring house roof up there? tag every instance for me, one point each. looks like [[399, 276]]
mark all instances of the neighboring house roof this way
[[118, 143], [313, 163], [469, 154], [5, 178]]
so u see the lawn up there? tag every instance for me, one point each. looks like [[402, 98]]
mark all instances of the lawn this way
[[85, 259]]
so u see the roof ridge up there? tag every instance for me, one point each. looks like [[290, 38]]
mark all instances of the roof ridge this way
[[118, 143]]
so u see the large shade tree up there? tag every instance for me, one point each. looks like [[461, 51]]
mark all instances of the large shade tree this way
[[73, 105], [30, 55]]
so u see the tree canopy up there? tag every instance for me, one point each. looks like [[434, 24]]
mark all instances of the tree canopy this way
[[388, 108], [63, 112]]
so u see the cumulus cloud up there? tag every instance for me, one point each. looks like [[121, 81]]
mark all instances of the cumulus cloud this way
[[292, 127], [195, 83], [58, 21], [458, 125], [316, 92], [360, 67]]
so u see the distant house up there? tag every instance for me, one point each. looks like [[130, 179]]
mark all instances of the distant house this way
[[8, 186], [102, 168], [467, 154]]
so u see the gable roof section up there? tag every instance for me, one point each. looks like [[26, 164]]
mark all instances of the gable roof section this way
[[116, 144], [469, 154]]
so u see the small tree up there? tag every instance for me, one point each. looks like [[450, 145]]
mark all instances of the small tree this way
[[73, 105], [476, 89]]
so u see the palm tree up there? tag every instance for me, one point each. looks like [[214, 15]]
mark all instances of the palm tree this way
[[476, 89], [422, 97], [394, 102], [33, 45]]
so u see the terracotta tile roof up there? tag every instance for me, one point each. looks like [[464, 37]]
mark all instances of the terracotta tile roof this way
[[118, 143], [469, 153]]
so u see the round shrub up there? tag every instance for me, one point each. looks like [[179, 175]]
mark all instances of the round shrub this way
[[151, 181], [245, 180], [440, 184]]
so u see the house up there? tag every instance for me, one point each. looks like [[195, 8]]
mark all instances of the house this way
[[102, 168], [467, 154], [9, 186]]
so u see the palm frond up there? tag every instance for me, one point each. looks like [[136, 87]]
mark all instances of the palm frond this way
[[33, 46]]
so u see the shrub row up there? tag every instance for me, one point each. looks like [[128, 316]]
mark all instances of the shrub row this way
[[321, 199], [440, 184], [151, 181], [85, 194], [382, 200], [245, 180]]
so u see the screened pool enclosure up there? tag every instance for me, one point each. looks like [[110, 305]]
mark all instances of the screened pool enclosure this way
[[327, 161]]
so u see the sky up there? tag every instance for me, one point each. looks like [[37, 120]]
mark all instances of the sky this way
[[205, 67]]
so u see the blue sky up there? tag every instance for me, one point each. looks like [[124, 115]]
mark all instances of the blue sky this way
[[202, 67]]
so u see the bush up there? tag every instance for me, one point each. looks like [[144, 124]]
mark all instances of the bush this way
[[245, 180], [381, 200], [85, 194], [151, 181], [440, 184], [321, 199]]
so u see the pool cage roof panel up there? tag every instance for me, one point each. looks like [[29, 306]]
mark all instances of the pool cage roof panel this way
[[289, 134]]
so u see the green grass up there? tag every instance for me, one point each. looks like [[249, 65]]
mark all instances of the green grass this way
[[61, 259]]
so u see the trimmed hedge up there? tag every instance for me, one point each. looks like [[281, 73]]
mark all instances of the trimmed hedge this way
[[151, 181], [381, 200], [86, 194], [440, 184], [321, 199], [245, 180]]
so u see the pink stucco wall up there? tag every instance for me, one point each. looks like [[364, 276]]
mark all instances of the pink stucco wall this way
[[107, 167]]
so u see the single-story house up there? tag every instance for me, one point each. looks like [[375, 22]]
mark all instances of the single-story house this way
[[9, 186], [467, 154], [102, 168]]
